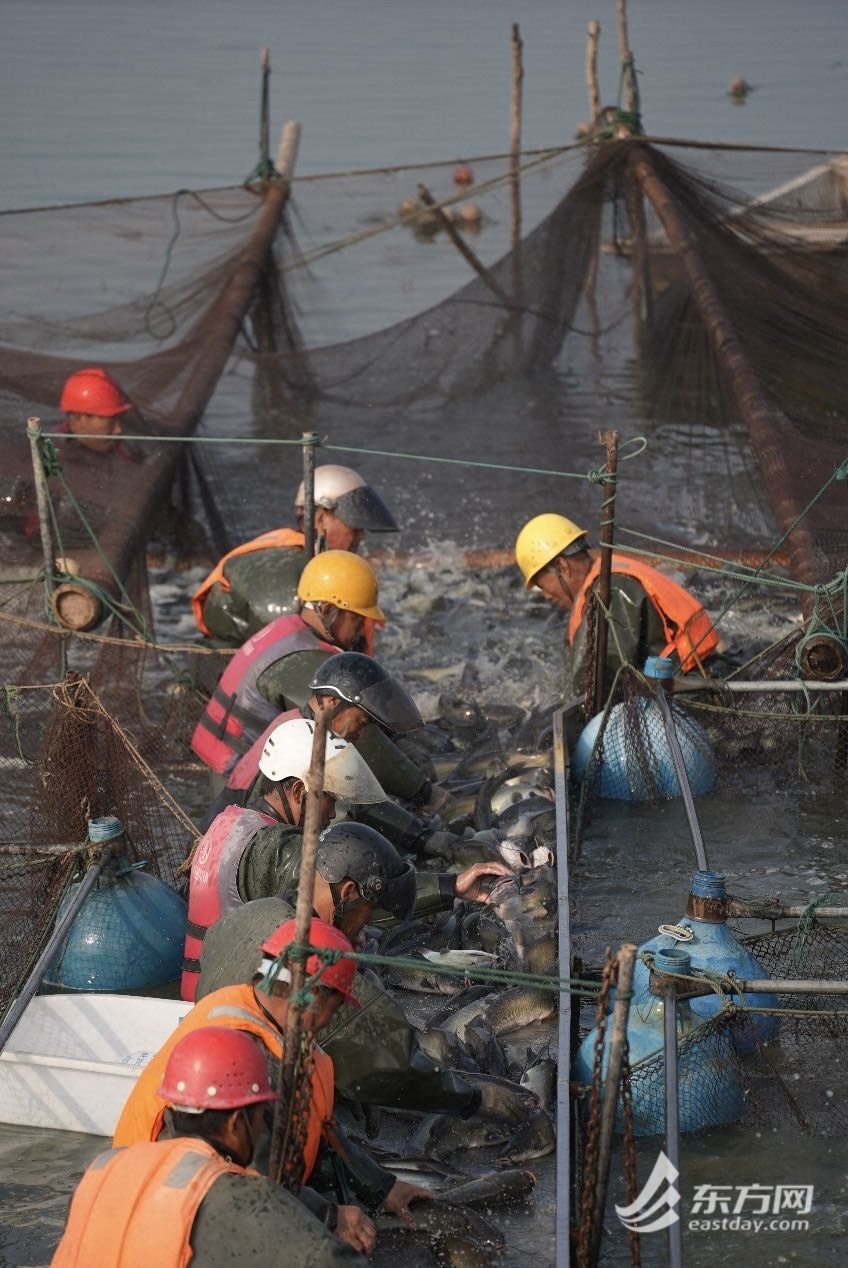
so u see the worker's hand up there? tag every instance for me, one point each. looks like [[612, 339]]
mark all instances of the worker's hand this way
[[470, 883], [354, 1227], [399, 1196]]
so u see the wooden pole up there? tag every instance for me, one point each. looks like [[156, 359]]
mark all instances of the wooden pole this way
[[303, 920], [265, 112], [615, 1062], [462, 247], [609, 440], [76, 606], [42, 499], [760, 419], [625, 57], [592, 87], [309, 494], [515, 151]]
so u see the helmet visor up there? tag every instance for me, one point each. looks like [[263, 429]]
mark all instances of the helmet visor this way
[[364, 509], [390, 705], [348, 777], [398, 894]]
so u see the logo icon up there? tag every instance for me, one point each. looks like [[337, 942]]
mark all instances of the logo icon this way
[[652, 1209]]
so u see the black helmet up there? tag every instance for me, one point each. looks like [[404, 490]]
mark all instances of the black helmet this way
[[352, 851], [362, 681], [363, 508]]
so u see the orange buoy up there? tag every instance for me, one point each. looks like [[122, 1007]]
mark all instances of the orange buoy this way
[[463, 175]]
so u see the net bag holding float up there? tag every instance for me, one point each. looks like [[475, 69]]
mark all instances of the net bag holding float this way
[[626, 751], [709, 1087], [130, 931]]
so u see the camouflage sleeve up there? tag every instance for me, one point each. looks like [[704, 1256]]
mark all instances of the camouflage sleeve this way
[[635, 631], [270, 863], [286, 683]]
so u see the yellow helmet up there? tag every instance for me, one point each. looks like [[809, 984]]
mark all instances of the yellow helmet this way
[[541, 540], [341, 578]]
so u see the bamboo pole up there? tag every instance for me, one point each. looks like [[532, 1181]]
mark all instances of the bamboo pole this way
[[592, 87], [226, 315], [463, 248], [303, 920], [609, 440], [747, 391], [612, 1080], [265, 112]]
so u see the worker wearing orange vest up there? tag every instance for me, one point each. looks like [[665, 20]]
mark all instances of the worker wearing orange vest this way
[[649, 614], [192, 1196], [260, 1010], [257, 581]]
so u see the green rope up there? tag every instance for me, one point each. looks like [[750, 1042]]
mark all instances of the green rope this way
[[807, 921], [330, 955]]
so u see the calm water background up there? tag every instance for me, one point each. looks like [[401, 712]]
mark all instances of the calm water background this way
[[109, 98]]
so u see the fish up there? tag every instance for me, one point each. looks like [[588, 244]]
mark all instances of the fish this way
[[540, 1077], [453, 1019], [429, 979], [517, 1007], [448, 1051], [497, 1191], [534, 1138], [441, 1135], [445, 1219]]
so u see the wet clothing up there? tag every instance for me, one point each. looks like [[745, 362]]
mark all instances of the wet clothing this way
[[213, 884], [182, 1200], [253, 689], [650, 615], [270, 864], [375, 1053], [236, 1008], [241, 594]]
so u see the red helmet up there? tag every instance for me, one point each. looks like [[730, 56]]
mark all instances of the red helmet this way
[[214, 1067], [93, 392], [338, 975]]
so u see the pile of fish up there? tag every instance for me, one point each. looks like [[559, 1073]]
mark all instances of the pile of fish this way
[[500, 1036]]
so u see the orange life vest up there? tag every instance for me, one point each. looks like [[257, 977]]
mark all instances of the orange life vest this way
[[279, 537], [137, 1206], [688, 628], [237, 1008]]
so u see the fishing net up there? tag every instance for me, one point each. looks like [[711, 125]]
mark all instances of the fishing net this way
[[64, 760]]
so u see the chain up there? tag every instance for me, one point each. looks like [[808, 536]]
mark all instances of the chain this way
[[593, 1117], [296, 1105]]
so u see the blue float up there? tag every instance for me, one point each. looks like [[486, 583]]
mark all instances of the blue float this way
[[712, 946], [628, 777], [709, 1087], [129, 933]]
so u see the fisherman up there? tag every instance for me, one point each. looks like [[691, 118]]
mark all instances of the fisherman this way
[[193, 1193], [254, 851], [93, 404], [649, 614], [375, 1051], [368, 707], [257, 580], [260, 1008], [270, 673]]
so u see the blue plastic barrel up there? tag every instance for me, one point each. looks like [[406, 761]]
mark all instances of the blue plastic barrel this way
[[709, 1087], [129, 933], [714, 947]]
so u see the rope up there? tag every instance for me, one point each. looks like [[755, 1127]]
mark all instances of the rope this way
[[330, 955]]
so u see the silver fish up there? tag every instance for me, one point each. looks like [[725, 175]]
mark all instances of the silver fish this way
[[535, 1138], [496, 1191], [540, 1077], [444, 1134]]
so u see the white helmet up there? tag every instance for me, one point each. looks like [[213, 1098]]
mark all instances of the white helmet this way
[[288, 754], [345, 493]]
